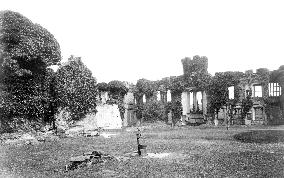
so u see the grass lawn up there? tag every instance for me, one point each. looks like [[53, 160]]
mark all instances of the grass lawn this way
[[194, 152]]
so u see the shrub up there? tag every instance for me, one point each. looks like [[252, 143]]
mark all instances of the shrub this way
[[154, 110], [176, 108]]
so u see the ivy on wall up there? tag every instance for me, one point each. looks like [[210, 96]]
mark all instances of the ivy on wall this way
[[145, 87], [195, 72], [218, 90], [102, 87], [117, 90], [216, 87], [75, 88]]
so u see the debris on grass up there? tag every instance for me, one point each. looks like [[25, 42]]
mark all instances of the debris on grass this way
[[88, 159], [157, 155], [107, 135]]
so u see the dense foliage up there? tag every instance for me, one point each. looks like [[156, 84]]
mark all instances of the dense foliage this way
[[102, 86], [144, 86], [26, 50], [75, 88], [154, 110], [176, 108], [218, 90], [195, 72], [117, 91], [176, 84], [247, 104]]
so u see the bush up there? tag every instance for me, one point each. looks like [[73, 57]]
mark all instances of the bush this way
[[176, 108], [154, 110]]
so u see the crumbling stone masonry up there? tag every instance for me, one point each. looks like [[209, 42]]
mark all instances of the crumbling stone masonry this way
[[264, 87]]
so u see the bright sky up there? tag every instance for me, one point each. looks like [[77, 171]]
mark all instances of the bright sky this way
[[128, 39]]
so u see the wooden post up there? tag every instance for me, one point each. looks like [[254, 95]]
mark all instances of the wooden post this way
[[138, 144]]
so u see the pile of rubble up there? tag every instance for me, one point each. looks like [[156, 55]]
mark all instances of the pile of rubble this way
[[87, 159]]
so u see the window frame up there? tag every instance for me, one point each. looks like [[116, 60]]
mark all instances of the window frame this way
[[254, 91], [274, 89]]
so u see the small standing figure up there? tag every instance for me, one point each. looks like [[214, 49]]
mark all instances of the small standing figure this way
[[170, 118]]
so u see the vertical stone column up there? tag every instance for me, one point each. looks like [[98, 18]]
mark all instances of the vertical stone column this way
[[194, 100], [188, 101], [184, 103], [126, 116], [158, 94], [265, 90], [204, 102], [253, 113]]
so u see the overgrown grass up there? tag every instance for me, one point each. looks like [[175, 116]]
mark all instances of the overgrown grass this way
[[197, 152]]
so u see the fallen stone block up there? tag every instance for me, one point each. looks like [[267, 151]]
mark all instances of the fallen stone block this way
[[40, 139], [91, 133], [80, 158], [87, 159]]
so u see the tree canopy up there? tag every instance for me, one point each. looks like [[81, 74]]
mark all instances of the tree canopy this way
[[26, 50], [117, 89], [75, 88]]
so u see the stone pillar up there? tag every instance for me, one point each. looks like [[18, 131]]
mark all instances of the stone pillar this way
[[184, 103], [265, 90], [194, 100], [204, 102], [253, 113], [188, 102], [126, 116], [158, 95], [225, 114]]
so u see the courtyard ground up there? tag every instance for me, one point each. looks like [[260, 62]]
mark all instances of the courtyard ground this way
[[188, 151]]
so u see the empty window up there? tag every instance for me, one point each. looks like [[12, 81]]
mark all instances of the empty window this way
[[169, 97], [144, 99], [274, 89], [257, 91], [199, 100], [158, 96], [231, 92]]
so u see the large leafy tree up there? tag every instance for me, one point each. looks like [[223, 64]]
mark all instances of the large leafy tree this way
[[75, 88], [218, 89], [26, 51], [26, 48], [117, 89]]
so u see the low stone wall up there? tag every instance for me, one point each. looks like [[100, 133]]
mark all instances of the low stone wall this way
[[107, 117]]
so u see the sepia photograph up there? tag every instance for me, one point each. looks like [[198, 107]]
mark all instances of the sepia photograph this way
[[152, 88]]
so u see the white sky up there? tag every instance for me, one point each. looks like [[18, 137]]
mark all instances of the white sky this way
[[128, 39]]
